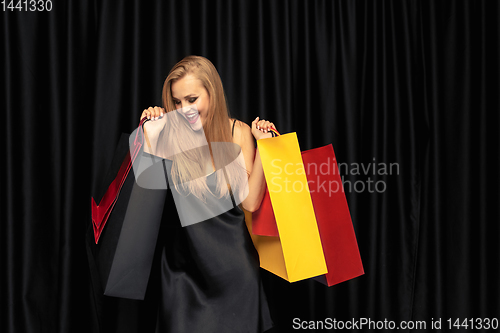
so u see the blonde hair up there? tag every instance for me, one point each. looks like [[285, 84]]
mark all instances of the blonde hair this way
[[188, 168]]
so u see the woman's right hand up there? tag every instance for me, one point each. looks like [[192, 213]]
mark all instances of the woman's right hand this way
[[153, 113]]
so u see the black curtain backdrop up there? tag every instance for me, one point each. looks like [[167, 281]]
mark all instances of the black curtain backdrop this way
[[414, 84]]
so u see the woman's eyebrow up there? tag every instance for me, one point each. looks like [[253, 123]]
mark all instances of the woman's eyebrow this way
[[187, 96]]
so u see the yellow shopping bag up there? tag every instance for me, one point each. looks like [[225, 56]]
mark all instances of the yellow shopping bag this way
[[297, 253]]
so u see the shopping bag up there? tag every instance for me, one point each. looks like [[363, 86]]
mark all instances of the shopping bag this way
[[100, 254], [131, 267], [110, 312], [298, 253], [101, 212], [121, 254], [263, 220], [332, 214]]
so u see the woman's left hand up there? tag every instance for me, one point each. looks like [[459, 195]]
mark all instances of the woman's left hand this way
[[260, 129]]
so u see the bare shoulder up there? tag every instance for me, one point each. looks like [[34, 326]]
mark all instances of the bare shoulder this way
[[242, 132], [243, 137]]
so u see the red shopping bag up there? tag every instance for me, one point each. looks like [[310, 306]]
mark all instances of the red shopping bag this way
[[101, 211], [332, 215]]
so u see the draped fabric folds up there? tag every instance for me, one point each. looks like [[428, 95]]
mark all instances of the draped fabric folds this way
[[406, 91]]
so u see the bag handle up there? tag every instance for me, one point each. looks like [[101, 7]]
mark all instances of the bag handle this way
[[141, 126], [274, 132]]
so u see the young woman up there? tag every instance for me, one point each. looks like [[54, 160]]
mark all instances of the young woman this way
[[209, 270]]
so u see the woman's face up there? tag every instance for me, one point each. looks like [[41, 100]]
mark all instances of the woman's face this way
[[187, 92]]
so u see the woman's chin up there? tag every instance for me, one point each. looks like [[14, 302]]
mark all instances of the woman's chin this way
[[196, 126]]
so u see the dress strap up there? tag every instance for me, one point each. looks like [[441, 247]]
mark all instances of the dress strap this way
[[232, 131], [230, 190]]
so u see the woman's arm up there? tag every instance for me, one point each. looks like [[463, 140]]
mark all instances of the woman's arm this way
[[151, 129], [244, 136]]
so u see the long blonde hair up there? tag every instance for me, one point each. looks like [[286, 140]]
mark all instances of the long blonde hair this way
[[188, 168]]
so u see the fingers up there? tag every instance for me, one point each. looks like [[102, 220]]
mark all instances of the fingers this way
[[158, 112], [153, 113], [254, 123], [263, 125], [261, 128]]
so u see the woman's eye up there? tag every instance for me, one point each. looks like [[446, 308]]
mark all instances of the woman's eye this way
[[176, 102], [192, 100]]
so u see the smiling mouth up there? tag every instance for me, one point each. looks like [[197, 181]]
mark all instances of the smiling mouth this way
[[192, 117]]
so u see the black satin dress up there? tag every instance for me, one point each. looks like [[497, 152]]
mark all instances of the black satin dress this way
[[209, 275], [209, 271]]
